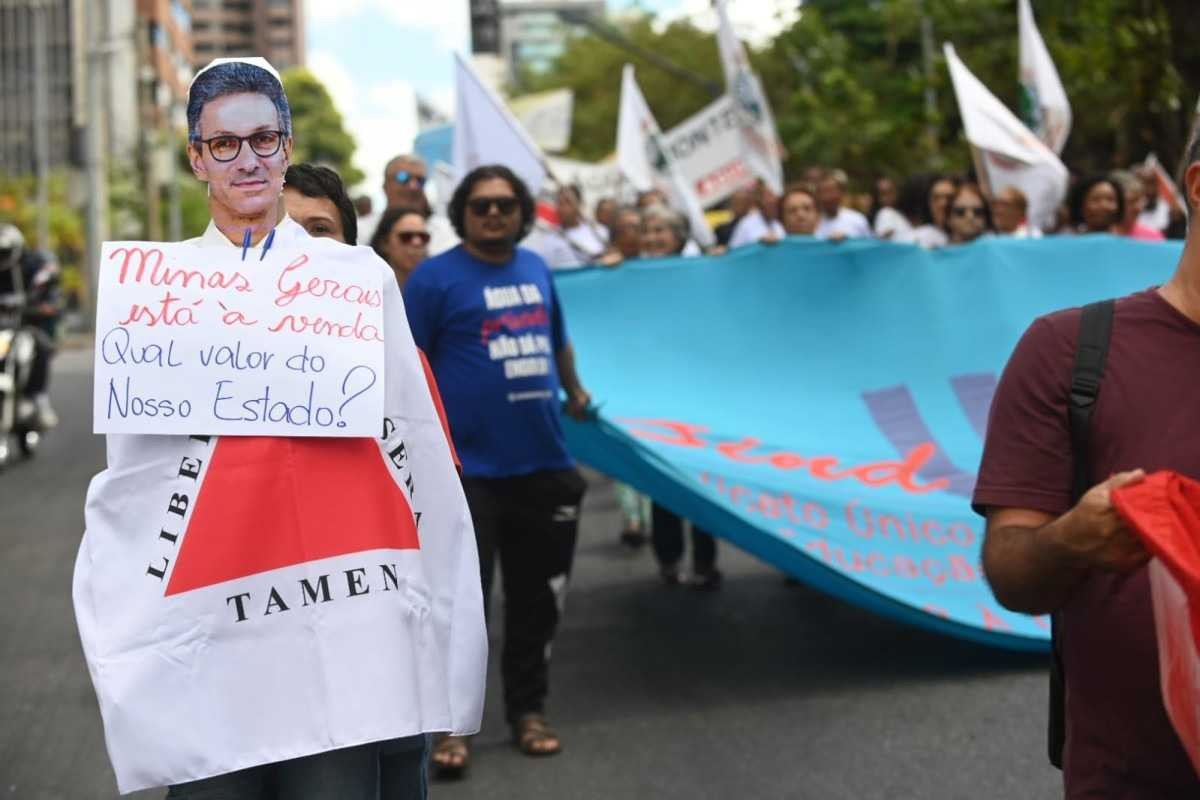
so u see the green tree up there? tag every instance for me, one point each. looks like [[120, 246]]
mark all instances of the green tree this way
[[317, 126], [847, 79], [592, 68]]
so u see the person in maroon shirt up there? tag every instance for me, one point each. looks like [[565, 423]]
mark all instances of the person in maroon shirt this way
[[1045, 553]]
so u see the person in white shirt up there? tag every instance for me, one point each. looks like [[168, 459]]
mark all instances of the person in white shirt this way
[[761, 223], [404, 180], [575, 242], [837, 221]]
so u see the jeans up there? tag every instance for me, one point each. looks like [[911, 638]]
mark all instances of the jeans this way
[[348, 774], [530, 523], [404, 768]]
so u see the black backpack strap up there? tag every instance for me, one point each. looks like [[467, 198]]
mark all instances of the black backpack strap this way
[[1095, 329]]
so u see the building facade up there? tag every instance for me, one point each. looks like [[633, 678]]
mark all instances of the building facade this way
[[273, 29], [62, 54], [534, 32]]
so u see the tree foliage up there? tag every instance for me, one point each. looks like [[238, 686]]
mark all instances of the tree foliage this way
[[592, 68], [317, 127], [848, 80]]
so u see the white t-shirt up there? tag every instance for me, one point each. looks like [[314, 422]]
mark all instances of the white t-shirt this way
[[752, 227], [567, 249], [441, 234], [848, 222], [929, 237], [890, 224]]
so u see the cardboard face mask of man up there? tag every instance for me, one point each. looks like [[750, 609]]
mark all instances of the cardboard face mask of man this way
[[240, 140]]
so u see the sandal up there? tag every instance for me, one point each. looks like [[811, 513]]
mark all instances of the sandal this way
[[450, 757], [534, 737]]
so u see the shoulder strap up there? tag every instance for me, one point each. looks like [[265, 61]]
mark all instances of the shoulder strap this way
[[1091, 353], [1095, 328]]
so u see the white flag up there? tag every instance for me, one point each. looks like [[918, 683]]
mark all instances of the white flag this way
[[1008, 154], [761, 147], [1044, 102], [485, 131], [641, 156], [547, 117]]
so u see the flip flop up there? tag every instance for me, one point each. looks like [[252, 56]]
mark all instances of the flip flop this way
[[446, 751]]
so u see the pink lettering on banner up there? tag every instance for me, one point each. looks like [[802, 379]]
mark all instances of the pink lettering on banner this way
[[991, 621], [139, 265], [866, 524], [903, 473], [935, 571]]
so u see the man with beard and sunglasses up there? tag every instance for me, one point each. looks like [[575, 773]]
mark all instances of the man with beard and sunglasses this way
[[487, 315]]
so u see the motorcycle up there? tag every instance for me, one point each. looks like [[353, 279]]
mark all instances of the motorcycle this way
[[20, 421]]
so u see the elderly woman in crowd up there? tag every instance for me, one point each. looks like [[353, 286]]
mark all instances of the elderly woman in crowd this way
[[969, 216], [664, 232], [402, 240]]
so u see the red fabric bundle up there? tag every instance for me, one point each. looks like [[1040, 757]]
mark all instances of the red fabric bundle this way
[[1164, 511]]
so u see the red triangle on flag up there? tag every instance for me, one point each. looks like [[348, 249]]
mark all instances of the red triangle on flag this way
[[271, 502]]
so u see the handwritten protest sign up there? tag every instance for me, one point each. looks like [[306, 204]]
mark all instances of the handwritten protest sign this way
[[194, 340]]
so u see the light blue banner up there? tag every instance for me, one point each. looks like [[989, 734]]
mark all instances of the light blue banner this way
[[823, 406]]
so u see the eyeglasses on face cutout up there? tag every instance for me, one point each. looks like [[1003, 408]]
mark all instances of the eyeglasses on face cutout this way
[[227, 147], [480, 206]]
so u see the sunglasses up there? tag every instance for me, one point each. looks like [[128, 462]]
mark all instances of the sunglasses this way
[[408, 237], [964, 211], [228, 147], [481, 206], [404, 176]]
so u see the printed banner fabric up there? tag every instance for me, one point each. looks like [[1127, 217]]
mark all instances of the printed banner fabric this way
[[823, 406]]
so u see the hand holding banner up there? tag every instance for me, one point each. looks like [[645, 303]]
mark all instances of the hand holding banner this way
[[193, 340]]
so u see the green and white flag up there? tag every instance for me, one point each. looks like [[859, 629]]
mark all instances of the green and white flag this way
[[1044, 104]]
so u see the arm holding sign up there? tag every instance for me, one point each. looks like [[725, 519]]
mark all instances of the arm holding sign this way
[[578, 398]]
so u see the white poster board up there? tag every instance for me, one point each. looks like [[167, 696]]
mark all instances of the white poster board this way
[[707, 148], [196, 340]]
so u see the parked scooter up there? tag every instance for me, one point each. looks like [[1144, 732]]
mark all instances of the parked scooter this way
[[22, 420]]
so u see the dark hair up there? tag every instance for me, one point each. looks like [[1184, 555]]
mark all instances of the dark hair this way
[[458, 203], [312, 180], [1081, 190], [235, 78], [974, 189], [387, 221], [913, 199]]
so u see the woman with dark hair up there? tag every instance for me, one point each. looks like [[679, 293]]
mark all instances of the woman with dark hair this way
[[932, 231], [402, 240], [1096, 204], [969, 216]]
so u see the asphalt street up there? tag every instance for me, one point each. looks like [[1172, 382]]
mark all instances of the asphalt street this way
[[760, 690]]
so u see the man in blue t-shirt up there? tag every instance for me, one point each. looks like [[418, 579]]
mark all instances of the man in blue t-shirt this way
[[487, 316]]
